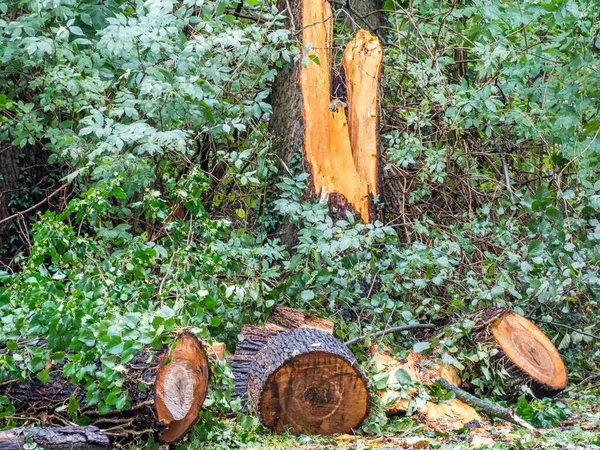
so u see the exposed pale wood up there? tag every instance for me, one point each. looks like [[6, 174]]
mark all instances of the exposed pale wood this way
[[362, 66], [181, 386], [61, 438], [525, 352], [487, 408], [327, 142], [306, 381], [446, 416]]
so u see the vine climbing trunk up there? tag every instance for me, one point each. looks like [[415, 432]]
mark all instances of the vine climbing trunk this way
[[338, 138]]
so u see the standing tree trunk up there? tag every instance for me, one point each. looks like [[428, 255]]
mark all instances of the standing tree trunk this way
[[340, 149]]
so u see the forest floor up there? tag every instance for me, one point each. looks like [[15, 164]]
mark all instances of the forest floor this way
[[578, 428]]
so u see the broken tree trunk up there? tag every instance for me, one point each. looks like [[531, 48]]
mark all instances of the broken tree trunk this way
[[63, 438], [167, 388], [306, 381], [524, 352], [341, 151]]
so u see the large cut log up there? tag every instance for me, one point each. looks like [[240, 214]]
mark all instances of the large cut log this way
[[340, 149], [63, 438], [254, 338], [524, 352], [306, 381], [167, 388]]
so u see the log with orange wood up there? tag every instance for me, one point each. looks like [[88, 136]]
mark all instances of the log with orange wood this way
[[296, 376]]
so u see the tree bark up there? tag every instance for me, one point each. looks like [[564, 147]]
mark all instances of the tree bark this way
[[23, 177], [167, 388], [63, 438], [306, 381], [254, 338]]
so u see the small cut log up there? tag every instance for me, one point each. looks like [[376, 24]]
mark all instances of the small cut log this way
[[63, 438], [306, 381], [524, 352], [167, 388]]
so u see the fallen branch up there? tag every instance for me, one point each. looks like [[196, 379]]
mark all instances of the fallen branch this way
[[37, 205], [487, 408], [414, 326]]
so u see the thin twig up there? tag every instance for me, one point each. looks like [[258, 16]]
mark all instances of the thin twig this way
[[414, 326], [37, 205]]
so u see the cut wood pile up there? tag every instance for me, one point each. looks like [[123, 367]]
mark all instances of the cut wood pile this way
[[167, 388]]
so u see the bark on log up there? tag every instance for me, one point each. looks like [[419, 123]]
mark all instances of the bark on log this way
[[283, 318], [307, 381], [174, 381], [341, 154], [524, 352], [63, 438]]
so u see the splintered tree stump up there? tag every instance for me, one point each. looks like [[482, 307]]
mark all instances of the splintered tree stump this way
[[167, 388], [339, 136], [524, 352], [63, 438], [306, 381]]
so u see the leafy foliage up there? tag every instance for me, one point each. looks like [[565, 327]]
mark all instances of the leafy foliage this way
[[155, 113]]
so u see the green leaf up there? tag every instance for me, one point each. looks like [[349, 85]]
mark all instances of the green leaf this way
[[307, 295], [44, 376]]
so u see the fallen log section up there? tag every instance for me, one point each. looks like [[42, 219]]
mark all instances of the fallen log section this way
[[298, 377], [524, 352], [63, 438], [307, 381], [167, 388]]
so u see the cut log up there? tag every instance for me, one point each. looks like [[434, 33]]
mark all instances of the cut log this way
[[167, 388], [254, 338], [306, 381], [63, 438], [341, 153], [524, 352]]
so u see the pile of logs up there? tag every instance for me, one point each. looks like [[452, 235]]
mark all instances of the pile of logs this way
[[292, 373]]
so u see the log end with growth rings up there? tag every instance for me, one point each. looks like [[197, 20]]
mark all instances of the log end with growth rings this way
[[532, 358], [181, 386], [306, 381]]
